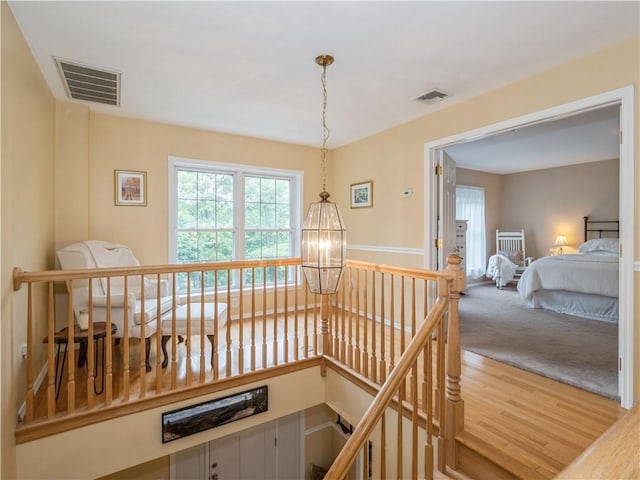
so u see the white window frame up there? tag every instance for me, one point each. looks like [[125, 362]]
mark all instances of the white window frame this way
[[240, 171]]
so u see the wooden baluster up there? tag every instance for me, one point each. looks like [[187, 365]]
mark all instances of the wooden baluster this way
[[296, 340], [143, 344], [274, 345], [158, 372], [240, 324], [455, 404], [373, 374], [90, 352], [357, 353], [215, 367], [383, 446], [349, 352], [71, 363], [253, 319], [315, 324], [402, 318], [440, 389], [29, 359], [427, 407], [414, 421], [108, 356], [306, 319], [365, 463], [228, 370], [285, 352], [126, 374], [174, 334], [413, 307], [264, 317], [335, 329], [399, 439], [383, 359], [51, 358], [343, 313], [392, 327], [365, 321], [325, 315], [203, 333]]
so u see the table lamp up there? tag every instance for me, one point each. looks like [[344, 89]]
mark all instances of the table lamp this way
[[560, 243]]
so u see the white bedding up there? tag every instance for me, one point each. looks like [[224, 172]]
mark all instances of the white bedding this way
[[501, 270], [590, 274]]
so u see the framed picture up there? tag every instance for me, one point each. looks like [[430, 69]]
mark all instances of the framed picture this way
[[130, 188], [362, 194], [203, 416]]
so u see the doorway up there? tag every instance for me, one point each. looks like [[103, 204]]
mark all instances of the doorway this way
[[622, 97]]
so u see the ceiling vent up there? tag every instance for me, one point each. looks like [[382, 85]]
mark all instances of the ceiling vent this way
[[432, 97], [91, 84]]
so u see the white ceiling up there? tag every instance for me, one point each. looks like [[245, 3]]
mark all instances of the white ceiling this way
[[582, 138], [248, 67]]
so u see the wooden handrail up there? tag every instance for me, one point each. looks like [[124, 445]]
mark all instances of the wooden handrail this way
[[422, 274], [20, 276], [375, 411]]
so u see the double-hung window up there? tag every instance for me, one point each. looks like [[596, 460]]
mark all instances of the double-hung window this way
[[223, 212]]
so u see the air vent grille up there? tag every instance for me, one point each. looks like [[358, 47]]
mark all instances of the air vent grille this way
[[91, 84], [432, 97]]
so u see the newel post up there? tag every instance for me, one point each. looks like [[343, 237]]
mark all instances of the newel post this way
[[454, 402]]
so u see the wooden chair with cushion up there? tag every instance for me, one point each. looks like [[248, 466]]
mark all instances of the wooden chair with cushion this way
[[512, 246]]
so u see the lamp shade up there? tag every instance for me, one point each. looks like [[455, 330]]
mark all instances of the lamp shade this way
[[561, 241], [324, 244]]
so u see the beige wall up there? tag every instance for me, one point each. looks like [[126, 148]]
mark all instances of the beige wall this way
[[553, 201], [106, 143], [27, 169], [394, 159], [546, 202]]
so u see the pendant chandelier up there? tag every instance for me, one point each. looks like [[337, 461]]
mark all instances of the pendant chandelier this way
[[324, 239]]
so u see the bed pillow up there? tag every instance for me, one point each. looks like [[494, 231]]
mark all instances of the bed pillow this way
[[608, 245], [515, 257]]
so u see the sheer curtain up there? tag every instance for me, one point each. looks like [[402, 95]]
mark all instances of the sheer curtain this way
[[470, 207]]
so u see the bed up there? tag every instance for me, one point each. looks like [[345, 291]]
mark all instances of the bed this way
[[584, 284]]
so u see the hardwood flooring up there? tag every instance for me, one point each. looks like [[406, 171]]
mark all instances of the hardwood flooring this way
[[530, 425]]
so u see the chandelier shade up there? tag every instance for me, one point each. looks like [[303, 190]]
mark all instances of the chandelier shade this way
[[324, 244]]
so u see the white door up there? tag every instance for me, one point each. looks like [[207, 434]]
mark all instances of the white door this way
[[269, 451], [190, 464], [446, 227]]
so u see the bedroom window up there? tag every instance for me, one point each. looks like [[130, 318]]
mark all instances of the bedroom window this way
[[222, 212], [470, 207]]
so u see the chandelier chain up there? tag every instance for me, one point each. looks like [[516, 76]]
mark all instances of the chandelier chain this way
[[325, 129]]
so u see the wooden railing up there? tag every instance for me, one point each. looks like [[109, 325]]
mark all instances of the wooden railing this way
[[279, 325], [414, 389], [374, 327]]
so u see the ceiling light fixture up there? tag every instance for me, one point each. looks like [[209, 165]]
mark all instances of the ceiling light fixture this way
[[324, 239]]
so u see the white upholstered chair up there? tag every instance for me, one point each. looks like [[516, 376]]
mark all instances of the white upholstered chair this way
[[98, 254]]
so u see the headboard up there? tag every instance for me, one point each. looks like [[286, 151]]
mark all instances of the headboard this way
[[603, 228]]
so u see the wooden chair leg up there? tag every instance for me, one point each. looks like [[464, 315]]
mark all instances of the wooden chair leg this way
[[165, 361]]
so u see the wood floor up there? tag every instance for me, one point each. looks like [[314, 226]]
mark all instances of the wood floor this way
[[532, 426]]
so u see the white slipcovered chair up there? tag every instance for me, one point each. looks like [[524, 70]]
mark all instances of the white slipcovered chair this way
[[100, 254]]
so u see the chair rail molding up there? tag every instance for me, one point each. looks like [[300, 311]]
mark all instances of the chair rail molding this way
[[386, 249]]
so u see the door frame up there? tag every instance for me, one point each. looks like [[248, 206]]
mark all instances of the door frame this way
[[623, 97]]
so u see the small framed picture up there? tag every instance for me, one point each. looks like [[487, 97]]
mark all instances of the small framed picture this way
[[130, 188], [362, 194]]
